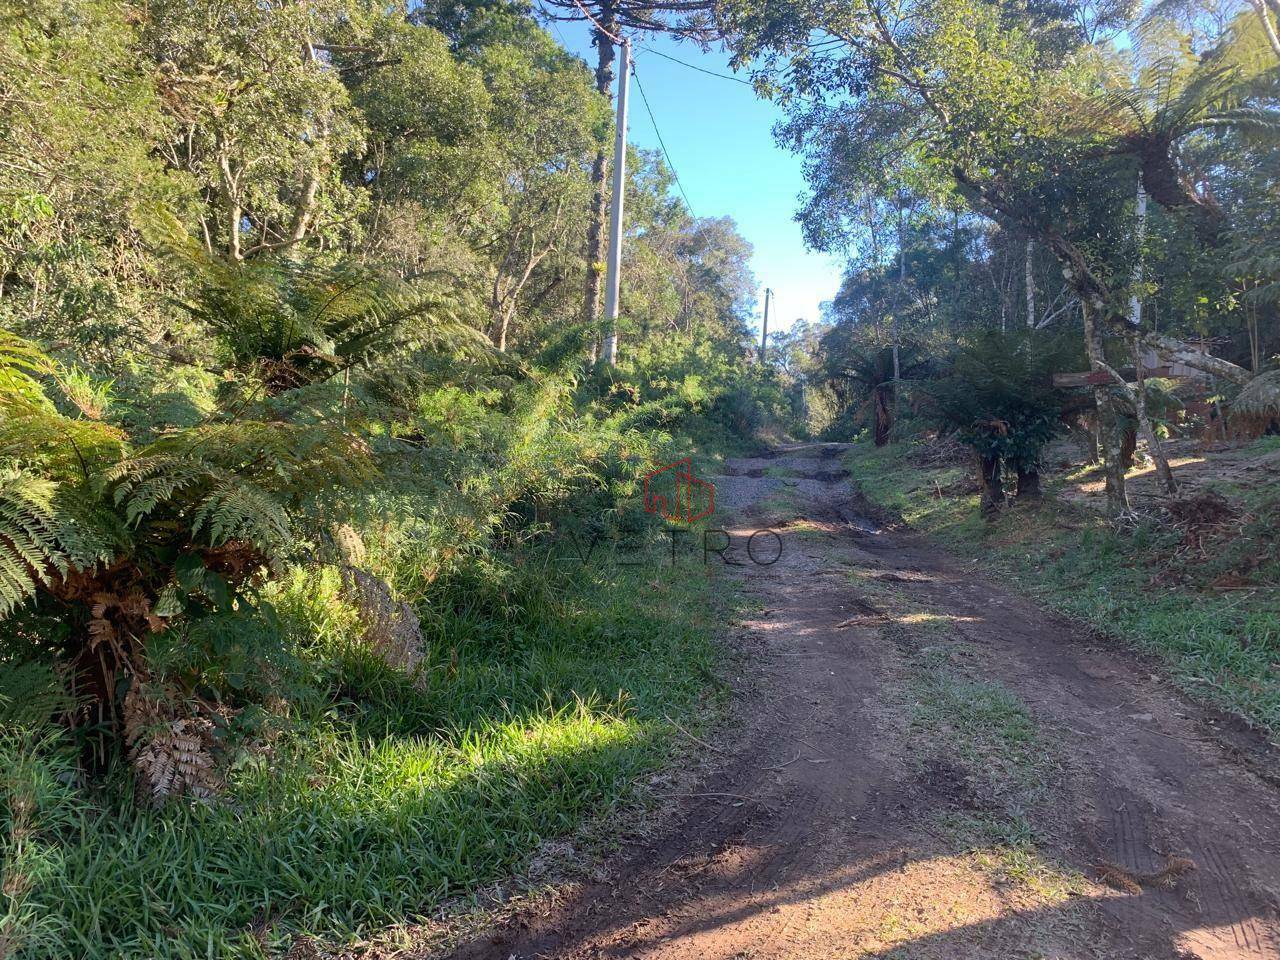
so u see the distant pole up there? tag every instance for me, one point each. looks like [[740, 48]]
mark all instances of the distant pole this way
[[614, 279], [764, 328]]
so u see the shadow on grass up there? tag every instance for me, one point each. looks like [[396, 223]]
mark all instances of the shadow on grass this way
[[378, 806]]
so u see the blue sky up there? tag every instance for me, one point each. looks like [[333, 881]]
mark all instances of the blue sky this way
[[719, 135]]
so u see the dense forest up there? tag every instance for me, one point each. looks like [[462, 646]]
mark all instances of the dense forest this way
[[303, 375], [1085, 187]]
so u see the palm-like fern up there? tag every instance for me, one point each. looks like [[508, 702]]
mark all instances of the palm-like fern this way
[[124, 539], [999, 399], [1176, 95], [871, 372], [291, 325]]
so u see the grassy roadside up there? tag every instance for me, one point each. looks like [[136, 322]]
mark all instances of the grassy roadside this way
[[1139, 584], [553, 690]]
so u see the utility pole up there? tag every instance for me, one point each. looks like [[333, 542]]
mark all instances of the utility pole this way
[[901, 302], [614, 279], [764, 328]]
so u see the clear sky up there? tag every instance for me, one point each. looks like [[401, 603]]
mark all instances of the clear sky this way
[[719, 136]]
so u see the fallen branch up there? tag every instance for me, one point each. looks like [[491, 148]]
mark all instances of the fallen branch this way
[[1183, 353], [787, 764], [698, 740]]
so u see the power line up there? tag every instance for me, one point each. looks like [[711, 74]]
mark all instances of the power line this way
[[556, 27], [693, 66], [721, 76], [661, 143]]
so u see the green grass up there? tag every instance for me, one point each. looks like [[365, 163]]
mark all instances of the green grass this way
[[1265, 445], [960, 717], [546, 704], [1223, 647], [987, 724]]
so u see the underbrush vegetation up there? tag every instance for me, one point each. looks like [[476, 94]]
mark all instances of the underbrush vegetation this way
[[304, 384], [314, 689], [1209, 611], [544, 695]]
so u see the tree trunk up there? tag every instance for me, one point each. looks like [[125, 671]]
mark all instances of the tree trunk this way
[[884, 414], [1260, 8], [1138, 400], [1081, 428], [1108, 418], [1139, 395], [504, 325], [897, 310], [1163, 470], [1128, 449], [227, 188], [594, 251], [1029, 278], [990, 484], [1162, 179], [1029, 483]]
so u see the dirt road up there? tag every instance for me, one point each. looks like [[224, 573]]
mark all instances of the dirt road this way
[[923, 764]]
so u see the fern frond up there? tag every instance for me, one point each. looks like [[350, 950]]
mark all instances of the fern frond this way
[[21, 361], [29, 545], [89, 530], [33, 431], [45, 527], [30, 694], [1252, 120], [292, 460], [142, 483], [237, 509]]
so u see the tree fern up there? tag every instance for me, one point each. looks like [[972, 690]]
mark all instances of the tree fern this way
[[125, 539], [290, 325], [31, 694]]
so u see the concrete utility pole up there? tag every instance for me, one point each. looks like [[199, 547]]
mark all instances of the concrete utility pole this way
[[614, 278], [764, 328]]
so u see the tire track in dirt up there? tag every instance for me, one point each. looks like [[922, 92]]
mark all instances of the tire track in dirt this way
[[817, 833], [1158, 774]]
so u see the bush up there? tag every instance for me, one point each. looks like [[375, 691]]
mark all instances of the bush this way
[[999, 398]]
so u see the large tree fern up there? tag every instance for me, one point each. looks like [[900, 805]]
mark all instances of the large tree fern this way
[[124, 542], [287, 325]]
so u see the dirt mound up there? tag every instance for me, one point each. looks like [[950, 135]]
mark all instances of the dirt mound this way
[[1203, 509]]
